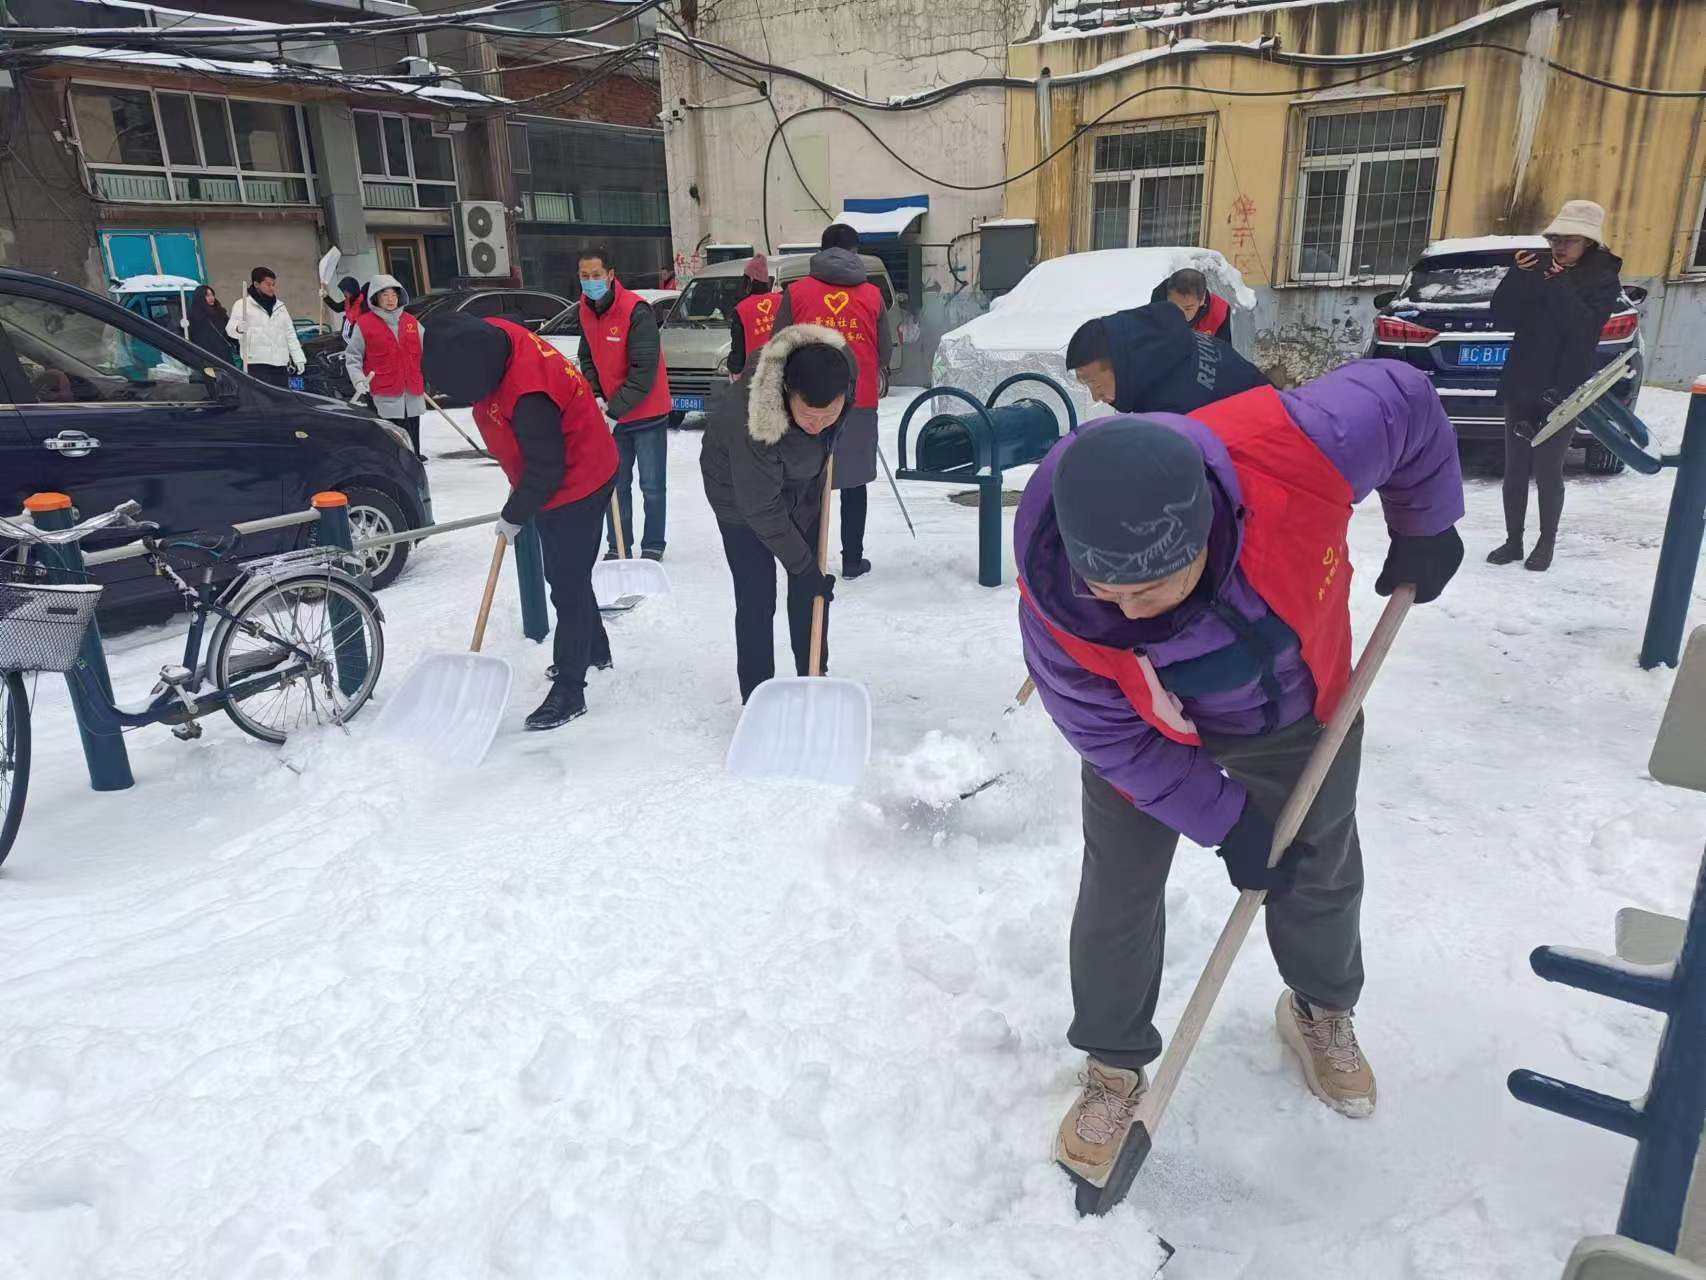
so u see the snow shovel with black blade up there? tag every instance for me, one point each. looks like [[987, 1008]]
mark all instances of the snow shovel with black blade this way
[[812, 728], [620, 584], [1093, 1199], [450, 704]]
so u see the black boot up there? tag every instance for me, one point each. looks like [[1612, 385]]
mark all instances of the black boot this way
[[1540, 559], [1508, 552], [564, 703], [854, 567], [601, 664]]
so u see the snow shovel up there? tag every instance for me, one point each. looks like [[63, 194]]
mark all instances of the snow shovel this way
[[1019, 700], [439, 409], [450, 704], [812, 728], [1147, 1120], [620, 584], [1584, 397]]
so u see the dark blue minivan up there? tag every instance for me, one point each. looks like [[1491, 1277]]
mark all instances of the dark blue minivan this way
[[104, 404]]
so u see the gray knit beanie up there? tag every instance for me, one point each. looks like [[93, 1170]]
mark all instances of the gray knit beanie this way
[[1132, 501]]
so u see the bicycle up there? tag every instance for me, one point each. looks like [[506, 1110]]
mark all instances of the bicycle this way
[[297, 638]]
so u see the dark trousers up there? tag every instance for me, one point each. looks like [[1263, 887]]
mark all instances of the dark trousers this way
[[753, 569], [647, 447], [274, 375], [412, 425], [570, 537], [1119, 928], [1544, 465], [853, 502]]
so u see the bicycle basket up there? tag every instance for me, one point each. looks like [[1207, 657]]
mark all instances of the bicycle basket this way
[[42, 624]]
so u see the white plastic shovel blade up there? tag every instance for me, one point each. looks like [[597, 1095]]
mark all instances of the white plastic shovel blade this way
[[812, 728], [614, 579], [449, 706]]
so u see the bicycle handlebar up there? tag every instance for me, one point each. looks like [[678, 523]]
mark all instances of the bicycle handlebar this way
[[23, 528]]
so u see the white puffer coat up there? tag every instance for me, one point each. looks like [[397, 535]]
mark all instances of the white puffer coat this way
[[262, 338]]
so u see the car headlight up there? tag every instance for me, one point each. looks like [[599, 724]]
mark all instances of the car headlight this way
[[723, 366]]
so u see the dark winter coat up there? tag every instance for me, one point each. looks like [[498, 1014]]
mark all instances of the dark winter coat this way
[[1161, 365], [643, 348], [207, 326], [1556, 321], [1223, 330], [761, 470]]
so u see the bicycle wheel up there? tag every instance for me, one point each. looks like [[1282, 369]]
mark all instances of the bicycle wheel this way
[[334, 621], [14, 756]]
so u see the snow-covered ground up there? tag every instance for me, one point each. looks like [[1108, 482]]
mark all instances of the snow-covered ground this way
[[598, 1011]]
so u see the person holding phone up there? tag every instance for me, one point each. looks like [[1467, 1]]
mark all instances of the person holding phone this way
[[1555, 303]]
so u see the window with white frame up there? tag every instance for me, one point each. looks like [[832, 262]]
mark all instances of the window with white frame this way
[[166, 147], [1146, 186], [404, 164], [1365, 192]]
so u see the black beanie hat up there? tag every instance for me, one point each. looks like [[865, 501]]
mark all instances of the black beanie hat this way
[[1132, 501], [463, 357]]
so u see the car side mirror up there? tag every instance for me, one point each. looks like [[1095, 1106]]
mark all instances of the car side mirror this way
[[1382, 300], [1637, 294], [226, 389]]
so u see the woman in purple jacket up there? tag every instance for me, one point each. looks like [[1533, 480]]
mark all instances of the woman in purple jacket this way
[[1185, 617]]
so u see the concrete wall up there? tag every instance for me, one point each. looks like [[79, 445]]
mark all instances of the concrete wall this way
[[1518, 140], [232, 249], [721, 190]]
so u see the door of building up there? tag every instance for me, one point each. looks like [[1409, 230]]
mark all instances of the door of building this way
[[405, 258]]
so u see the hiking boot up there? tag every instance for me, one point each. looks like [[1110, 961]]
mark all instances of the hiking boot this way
[[1094, 1129], [857, 567], [651, 553], [564, 703], [1507, 553], [1325, 1043], [1540, 559]]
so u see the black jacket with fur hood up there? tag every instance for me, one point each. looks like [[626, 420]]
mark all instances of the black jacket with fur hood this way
[[761, 470]]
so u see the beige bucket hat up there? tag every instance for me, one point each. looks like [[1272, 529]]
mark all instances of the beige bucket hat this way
[[1579, 218]]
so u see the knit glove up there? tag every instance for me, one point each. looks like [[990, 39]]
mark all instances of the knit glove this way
[[508, 531], [1427, 562], [816, 582], [1245, 853]]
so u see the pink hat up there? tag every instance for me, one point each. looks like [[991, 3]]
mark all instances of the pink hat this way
[[758, 268]]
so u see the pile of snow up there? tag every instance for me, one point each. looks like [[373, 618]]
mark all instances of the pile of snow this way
[[1485, 244], [1027, 329]]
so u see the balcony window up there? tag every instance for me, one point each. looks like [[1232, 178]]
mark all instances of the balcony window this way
[[404, 164], [162, 147]]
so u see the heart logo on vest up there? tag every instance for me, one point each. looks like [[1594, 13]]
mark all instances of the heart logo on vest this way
[[836, 302], [765, 306]]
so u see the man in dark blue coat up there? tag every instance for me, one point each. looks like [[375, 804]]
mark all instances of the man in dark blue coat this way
[[1149, 360]]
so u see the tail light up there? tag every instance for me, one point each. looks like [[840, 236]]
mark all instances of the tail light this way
[[1392, 329], [1620, 328]]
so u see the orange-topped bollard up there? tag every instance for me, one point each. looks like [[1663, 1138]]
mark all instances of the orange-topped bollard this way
[[37, 503], [328, 498]]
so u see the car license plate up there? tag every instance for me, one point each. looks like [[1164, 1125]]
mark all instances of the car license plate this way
[[688, 404], [1489, 355], [296, 382]]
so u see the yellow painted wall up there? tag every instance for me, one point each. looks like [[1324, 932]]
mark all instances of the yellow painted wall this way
[[1644, 159]]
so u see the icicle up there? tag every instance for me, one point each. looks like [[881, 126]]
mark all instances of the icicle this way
[[1536, 75]]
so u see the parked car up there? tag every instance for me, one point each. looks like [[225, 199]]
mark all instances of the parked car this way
[[106, 405], [327, 375], [1441, 322], [1027, 329], [696, 333], [663, 301]]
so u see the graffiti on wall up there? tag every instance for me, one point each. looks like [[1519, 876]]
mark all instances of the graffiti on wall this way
[[1243, 226]]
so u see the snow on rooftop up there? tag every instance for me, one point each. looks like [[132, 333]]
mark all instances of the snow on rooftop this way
[[1070, 19], [1483, 244], [1160, 53], [1008, 222], [890, 222]]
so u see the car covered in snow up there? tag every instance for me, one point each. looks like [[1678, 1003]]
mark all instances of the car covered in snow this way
[[1027, 329], [1441, 322]]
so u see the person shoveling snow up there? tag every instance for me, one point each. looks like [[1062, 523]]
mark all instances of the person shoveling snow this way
[[1185, 615]]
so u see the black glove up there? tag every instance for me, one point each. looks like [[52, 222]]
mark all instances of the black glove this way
[[816, 582], [1427, 562], [1245, 852]]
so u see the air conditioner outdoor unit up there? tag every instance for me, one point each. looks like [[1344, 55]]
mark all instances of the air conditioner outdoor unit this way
[[482, 238]]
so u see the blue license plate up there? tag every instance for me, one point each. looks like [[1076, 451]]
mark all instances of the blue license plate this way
[[296, 382], [1489, 355], [688, 404]]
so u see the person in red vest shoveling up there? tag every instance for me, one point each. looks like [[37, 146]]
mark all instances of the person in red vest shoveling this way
[[383, 355], [1185, 588], [622, 358], [540, 421], [1205, 312], [837, 296], [754, 318]]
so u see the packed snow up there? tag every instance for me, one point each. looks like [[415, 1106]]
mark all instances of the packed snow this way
[[1485, 244], [598, 1011]]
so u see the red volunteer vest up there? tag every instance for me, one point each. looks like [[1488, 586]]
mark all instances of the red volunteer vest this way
[[1297, 512], [589, 453], [853, 313], [392, 363], [607, 335], [1211, 315], [757, 312]]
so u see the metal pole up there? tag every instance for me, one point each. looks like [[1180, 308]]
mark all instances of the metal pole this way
[[104, 752], [349, 640], [905, 514], [1679, 554], [530, 580], [989, 531]]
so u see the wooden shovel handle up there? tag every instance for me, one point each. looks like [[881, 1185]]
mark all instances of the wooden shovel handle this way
[[491, 590], [818, 606], [1195, 1017], [616, 524]]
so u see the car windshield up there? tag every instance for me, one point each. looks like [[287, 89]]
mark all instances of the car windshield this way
[[423, 307], [708, 300], [567, 321], [1457, 278]]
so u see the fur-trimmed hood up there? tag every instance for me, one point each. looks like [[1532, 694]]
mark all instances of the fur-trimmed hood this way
[[767, 409]]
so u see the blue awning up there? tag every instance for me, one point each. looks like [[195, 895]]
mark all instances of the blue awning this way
[[888, 218]]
